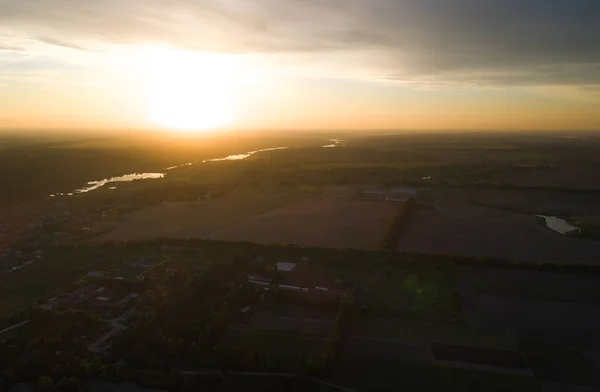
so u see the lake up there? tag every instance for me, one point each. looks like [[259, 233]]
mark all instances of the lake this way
[[559, 225]]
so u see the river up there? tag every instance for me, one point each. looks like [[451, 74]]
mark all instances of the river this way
[[93, 185]]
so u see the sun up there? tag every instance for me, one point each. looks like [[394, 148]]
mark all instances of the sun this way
[[189, 91]]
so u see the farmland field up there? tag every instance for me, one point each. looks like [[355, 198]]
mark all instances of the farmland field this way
[[566, 176], [564, 204], [275, 344], [560, 364], [373, 373], [408, 330], [531, 284], [567, 322], [263, 217], [317, 221], [424, 292], [193, 219], [454, 226], [482, 356], [301, 320]]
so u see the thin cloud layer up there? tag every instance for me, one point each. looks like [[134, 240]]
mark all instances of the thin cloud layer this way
[[469, 42]]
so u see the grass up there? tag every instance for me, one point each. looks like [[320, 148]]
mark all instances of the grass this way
[[377, 374], [272, 343], [560, 364], [13, 333], [406, 329], [429, 292], [295, 320]]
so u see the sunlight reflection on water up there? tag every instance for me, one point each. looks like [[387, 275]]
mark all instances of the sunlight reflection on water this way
[[93, 185], [334, 143], [237, 157]]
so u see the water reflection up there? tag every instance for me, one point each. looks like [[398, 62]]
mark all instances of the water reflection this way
[[177, 166], [93, 185], [237, 157], [559, 225], [334, 143]]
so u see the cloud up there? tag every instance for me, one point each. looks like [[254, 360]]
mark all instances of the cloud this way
[[592, 90], [65, 44], [468, 42], [29, 76], [10, 48]]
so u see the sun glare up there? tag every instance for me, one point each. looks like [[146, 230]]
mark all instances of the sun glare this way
[[189, 91]]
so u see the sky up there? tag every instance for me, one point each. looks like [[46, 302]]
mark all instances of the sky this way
[[300, 64]]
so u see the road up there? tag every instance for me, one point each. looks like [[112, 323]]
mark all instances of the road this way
[[117, 326]]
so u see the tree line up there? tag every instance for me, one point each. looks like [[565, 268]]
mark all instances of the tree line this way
[[392, 236]]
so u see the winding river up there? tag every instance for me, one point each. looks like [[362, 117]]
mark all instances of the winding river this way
[[93, 185]]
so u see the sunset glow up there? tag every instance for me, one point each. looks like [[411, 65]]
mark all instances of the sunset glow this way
[[188, 91], [193, 67]]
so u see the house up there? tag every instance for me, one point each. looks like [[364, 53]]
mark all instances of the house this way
[[258, 279], [401, 193], [246, 309], [286, 267], [123, 301], [288, 287], [82, 291], [373, 193]]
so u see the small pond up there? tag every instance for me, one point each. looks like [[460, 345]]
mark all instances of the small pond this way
[[559, 225]]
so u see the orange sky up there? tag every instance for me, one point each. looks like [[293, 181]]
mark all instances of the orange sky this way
[[304, 102], [402, 64]]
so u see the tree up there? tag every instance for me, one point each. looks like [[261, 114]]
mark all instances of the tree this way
[[78, 367], [44, 385], [175, 379], [110, 373], [93, 368], [8, 380], [72, 385]]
